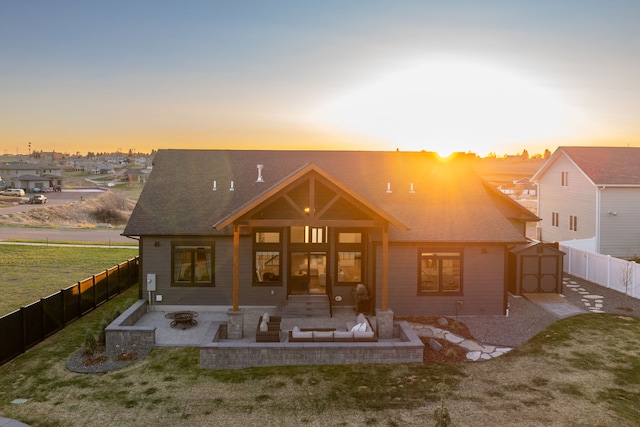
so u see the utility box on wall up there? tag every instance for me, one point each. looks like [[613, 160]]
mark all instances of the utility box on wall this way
[[535, 268], [151, 282]]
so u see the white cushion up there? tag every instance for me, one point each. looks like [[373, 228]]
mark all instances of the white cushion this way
[[360, 318], [266, 318], [367, 334], [359, 327], [343, 334], [296, 329], [323, 334], [302, 334], [263, 326]]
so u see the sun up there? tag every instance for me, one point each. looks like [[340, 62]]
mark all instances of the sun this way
[[450, 106]]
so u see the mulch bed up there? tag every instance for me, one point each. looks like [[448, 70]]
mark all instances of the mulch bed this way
[[450, 352], [83, 363]]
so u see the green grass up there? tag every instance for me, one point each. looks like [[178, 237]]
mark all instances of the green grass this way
[[556, 386], [70, 242], [33, 272]]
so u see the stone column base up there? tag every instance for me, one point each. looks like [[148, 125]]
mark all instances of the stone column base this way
[[384, 320], [235, 324]]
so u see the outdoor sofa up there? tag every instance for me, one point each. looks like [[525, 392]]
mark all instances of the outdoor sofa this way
[[358, 331]]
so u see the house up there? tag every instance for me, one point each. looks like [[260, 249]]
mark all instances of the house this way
[[30, 176], [519, 187], [252, 228], [591, 193]]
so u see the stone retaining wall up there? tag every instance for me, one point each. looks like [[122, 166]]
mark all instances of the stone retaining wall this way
[[405, 347], [121, 335]]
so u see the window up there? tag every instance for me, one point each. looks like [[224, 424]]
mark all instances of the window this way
[[555, 219], [267, 255], [573, 223], [192, 265], [440, 273], [349, 248], [306, 234], [565, 179]]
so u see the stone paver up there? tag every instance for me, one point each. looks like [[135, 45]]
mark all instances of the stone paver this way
[[475, 350]]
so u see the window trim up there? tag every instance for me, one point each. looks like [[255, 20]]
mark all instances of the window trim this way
[[193, 248], [440, 292], [267, 247]]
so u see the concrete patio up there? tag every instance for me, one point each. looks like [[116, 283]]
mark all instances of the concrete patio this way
[[143, 325]]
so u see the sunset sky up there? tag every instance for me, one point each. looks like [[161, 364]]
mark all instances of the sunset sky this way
[[492, 76]]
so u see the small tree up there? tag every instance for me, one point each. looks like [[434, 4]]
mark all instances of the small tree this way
[[441, 414]]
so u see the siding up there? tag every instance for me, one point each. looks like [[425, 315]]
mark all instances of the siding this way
[[483, 283], [158, 260], [577, 199], [620, 234]]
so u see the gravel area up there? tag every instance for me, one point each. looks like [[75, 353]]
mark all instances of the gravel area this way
[[526, 318]]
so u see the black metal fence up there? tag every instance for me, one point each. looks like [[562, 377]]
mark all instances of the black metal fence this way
[[29, 325]]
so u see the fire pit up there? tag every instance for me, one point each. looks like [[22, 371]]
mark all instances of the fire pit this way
[[184, 319]]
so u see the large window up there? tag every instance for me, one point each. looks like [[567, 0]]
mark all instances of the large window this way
[[193, 265], [267, 256], [349, 256], [440, 273]]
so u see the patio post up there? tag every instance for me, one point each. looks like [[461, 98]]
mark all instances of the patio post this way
[[384, 316], [236, 265], [385, 268]]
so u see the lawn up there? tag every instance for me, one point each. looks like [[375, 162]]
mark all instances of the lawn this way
[[583, 370], [32, 272]]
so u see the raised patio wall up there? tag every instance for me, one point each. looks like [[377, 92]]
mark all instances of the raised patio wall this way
[[406, 347], [122, 334]]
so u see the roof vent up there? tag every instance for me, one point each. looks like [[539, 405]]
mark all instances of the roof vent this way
[[389, 187], [231, 189], [215, 186], [260, 179], [411, 190]]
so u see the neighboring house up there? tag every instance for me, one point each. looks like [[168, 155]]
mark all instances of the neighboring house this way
[[519, 187], [591, 193], [29, 176], [251, 228]]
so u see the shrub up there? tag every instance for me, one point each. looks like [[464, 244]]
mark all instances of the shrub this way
[[90, 342]]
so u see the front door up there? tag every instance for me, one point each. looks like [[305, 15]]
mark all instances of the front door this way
[[308, 273]]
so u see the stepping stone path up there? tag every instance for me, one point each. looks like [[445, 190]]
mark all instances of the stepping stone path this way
[[592, 303], [475, 350]]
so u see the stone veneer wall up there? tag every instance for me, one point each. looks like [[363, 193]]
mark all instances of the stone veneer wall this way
[[121, 335], [405, 348]]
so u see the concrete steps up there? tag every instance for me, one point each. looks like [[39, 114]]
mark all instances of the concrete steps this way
[[306, 306]]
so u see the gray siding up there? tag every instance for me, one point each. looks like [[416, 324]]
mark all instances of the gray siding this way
[[619, 230], [483, 283], [577, 199], [157, 259]]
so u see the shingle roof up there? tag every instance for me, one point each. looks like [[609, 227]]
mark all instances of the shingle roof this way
[[607, 165], [450, 203]]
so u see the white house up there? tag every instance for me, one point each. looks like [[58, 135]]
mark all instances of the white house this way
[[591, 193]]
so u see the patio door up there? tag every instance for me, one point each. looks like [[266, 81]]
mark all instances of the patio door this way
[[308, 273]]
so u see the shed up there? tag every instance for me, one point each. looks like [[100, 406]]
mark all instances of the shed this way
[[535, 268]]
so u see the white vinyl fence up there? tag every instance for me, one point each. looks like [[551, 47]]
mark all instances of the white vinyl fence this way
[[604, 270]]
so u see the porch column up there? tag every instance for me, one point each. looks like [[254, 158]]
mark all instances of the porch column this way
[[385, 268], [384, 316], [236, 265]]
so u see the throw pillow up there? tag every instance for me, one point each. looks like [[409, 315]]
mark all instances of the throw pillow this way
[[266, 317], [360, 318], [263, 326]]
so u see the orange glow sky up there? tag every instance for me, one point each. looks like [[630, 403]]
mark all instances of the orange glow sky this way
[[415, 75]]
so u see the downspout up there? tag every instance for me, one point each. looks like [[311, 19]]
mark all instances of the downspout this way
[[598, 207]]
